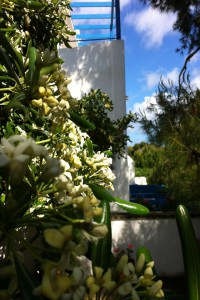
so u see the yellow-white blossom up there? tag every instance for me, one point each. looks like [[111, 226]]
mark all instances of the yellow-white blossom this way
[[140, 263], [155, 288]]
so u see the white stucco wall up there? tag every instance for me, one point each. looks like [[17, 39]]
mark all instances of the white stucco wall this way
[[101, 66], [160, 236]]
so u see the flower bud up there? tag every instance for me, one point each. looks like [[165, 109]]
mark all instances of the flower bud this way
[[150, 264], [108, 275], [43, 79], [148, 272], [51, 101], [160, 294], [54, 237], [42, 90], [67, 81], [93, 290], [48, 92], [155, 288], [98, 273], [97, 211], [67, 231], [90, 281], [99, 231], [123, 261], [125, 288], [37, 103], [46, 108], [140, 263], [135, 295], [87, 210]]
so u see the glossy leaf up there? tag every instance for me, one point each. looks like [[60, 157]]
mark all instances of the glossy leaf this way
[[132, 208], [101, 193], [32, 55], [89, 147], [81, 121]]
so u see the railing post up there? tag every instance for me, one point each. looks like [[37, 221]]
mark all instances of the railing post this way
[[118, 23]]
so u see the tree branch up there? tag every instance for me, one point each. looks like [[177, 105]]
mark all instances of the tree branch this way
[[184, 68]]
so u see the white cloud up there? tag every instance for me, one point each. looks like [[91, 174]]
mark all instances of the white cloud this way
[[140, 107], [195, 78], [136, 134], [152, 24], [153, 78]]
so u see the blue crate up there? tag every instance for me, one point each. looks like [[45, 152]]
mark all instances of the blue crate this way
[[153, 194]]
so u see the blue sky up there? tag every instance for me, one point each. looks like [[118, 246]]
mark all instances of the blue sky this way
[[150, 45]]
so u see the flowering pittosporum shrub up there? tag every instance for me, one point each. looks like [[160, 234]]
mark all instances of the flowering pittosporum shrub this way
[[125, 281], [51, 179]]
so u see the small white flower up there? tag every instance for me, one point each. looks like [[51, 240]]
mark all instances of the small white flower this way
[[155, 288], [125, 288]]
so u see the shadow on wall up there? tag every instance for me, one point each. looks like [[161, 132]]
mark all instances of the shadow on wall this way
[[160, 236], [98, 66], [82, 64]]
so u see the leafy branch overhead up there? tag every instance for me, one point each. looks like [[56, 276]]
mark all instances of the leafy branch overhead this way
[[108, 134]]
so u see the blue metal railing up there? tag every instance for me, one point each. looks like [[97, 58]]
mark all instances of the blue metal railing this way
[[96, 26]]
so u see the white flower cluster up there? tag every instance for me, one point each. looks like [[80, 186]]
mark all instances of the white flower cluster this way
[[15, 155]]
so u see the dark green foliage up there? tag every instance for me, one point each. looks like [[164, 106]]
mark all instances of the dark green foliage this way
[[146, 157], [176, 126], [109, 134]]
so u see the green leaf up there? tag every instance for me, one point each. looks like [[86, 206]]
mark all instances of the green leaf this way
[[32, 55], [109, 153], [10, 50], [25, 282], [81, 121], [36, 5], [101, 250], [5, 60], [132, 208], [7, 29], [190, 251], [15, 103], [9, 129], [101, 193], [6, 78], [89, 147]]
